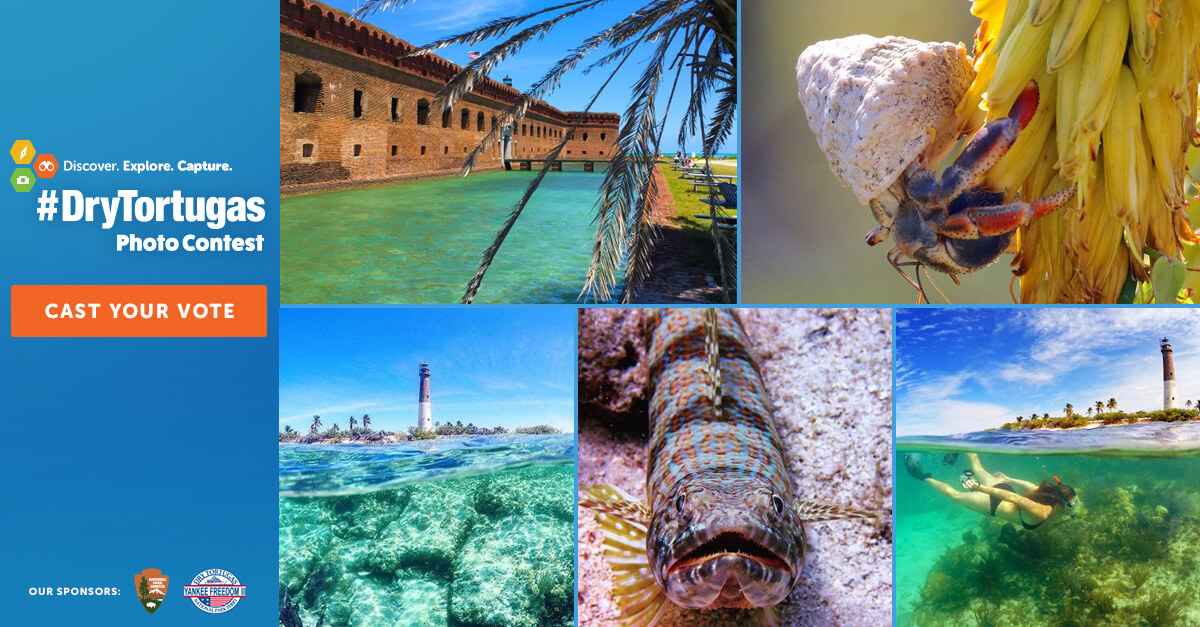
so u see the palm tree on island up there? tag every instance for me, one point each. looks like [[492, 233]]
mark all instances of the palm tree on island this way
[[1068, 410], [351, 425], [1112, 404], [366, 422], [316, 424]]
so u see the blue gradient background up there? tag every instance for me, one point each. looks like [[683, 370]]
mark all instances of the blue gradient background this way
[[126, 454]]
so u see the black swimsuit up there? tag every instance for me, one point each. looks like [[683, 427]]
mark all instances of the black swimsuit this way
[[996, 503]]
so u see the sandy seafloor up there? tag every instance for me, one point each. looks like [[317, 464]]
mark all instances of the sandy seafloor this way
[[829, 375]]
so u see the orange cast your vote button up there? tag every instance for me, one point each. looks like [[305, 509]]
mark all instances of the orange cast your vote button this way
[[139, 310]]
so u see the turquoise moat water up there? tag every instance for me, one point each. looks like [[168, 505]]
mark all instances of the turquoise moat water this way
[[420, 241], [1129, 555], [466, 531]]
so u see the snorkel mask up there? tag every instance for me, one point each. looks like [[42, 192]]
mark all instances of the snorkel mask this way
[[1069, 503]]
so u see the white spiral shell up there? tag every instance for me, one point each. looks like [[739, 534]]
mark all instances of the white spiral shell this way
[[872, 103]]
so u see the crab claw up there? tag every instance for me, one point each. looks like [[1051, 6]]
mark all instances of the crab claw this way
[[976, 222], [986, 148], [1026, 105]]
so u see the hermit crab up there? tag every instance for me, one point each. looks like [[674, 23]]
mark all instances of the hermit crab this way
[[883, 111]]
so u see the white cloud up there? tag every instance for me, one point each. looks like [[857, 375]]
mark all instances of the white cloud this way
[[1102, 353], [464, 14]]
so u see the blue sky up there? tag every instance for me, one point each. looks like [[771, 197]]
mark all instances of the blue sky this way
[[424, 21], [961, 370], [495, 366]]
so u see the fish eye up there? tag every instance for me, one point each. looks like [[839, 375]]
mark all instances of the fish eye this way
[[778, 503], [679, 502]]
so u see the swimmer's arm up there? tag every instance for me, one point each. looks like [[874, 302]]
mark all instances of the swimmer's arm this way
[[1033, 507], [1020, 483]]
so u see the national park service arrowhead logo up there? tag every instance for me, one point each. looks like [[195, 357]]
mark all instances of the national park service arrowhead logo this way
[[151, 586]]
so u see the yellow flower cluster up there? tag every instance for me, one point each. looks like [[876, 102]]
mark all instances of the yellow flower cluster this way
[[1117, 113]]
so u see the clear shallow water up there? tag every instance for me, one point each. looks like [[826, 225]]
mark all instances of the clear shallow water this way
[[341, 469], [420, 241], [1131, 555], [1148, 438], [477, 532]]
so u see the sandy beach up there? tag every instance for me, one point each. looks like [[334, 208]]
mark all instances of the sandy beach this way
[[829, 375]]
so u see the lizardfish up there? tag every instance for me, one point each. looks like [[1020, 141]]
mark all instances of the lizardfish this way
[[723, 526]]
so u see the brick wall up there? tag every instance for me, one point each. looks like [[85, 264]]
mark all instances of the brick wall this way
[[349, 108]]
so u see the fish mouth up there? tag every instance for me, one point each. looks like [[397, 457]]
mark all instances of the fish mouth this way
[[730, 543], [730, 569]]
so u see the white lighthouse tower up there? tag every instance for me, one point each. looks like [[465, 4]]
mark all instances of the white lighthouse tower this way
[[1169, 401], [424, 408]]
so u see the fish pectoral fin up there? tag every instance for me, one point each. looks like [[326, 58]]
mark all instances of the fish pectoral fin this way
[[638, 597], [817, 511], [610, 499], [771, 617]]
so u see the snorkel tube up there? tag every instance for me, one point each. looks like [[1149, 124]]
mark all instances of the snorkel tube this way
[[1069, 503]]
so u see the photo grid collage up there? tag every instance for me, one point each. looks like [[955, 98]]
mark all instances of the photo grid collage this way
[[946, 370]]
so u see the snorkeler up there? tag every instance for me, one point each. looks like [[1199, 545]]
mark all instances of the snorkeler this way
[[996, 494]]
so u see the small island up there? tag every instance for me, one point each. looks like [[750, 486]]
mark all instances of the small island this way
[[1096, 416], [360, 432]]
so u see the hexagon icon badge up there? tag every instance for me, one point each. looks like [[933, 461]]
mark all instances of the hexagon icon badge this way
[[22, 179], [46, 166], [22, 151]]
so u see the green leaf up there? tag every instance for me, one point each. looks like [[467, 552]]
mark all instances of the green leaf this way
[[1167, 276], [1128, 291]]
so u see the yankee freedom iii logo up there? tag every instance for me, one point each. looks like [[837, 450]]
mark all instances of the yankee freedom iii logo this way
[[215, 591], [151, 587]]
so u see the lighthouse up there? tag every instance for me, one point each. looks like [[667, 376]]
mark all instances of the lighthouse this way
[[424, 409], [1169, 401]]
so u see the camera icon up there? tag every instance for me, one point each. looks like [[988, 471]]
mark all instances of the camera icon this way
[[23, 179]]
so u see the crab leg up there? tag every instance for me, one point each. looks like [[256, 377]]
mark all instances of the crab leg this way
[[979, 222], [985, 149]]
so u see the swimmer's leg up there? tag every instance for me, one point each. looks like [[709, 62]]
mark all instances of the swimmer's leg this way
[[981, 475], [974, 501]]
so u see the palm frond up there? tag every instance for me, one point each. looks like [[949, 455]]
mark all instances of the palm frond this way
[[495, 28], [489, 254], [623, 197], [704, 33], [620, 31]]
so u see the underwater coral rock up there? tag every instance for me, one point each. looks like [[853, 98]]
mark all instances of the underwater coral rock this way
[[612, 369], [425, 555], [495, 577]]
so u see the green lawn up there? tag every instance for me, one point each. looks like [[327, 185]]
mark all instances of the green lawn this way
[[687, 205]]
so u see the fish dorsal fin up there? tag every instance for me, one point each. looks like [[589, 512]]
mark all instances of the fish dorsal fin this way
[[638, 597], [712, 352], [610, 499], [811, 510]]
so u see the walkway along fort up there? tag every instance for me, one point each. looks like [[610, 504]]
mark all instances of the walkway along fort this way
[[351, 110]]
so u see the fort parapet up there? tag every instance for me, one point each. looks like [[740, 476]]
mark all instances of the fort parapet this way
[[353, 110]]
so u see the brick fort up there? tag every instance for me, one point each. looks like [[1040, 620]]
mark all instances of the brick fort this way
[[353, 111]]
